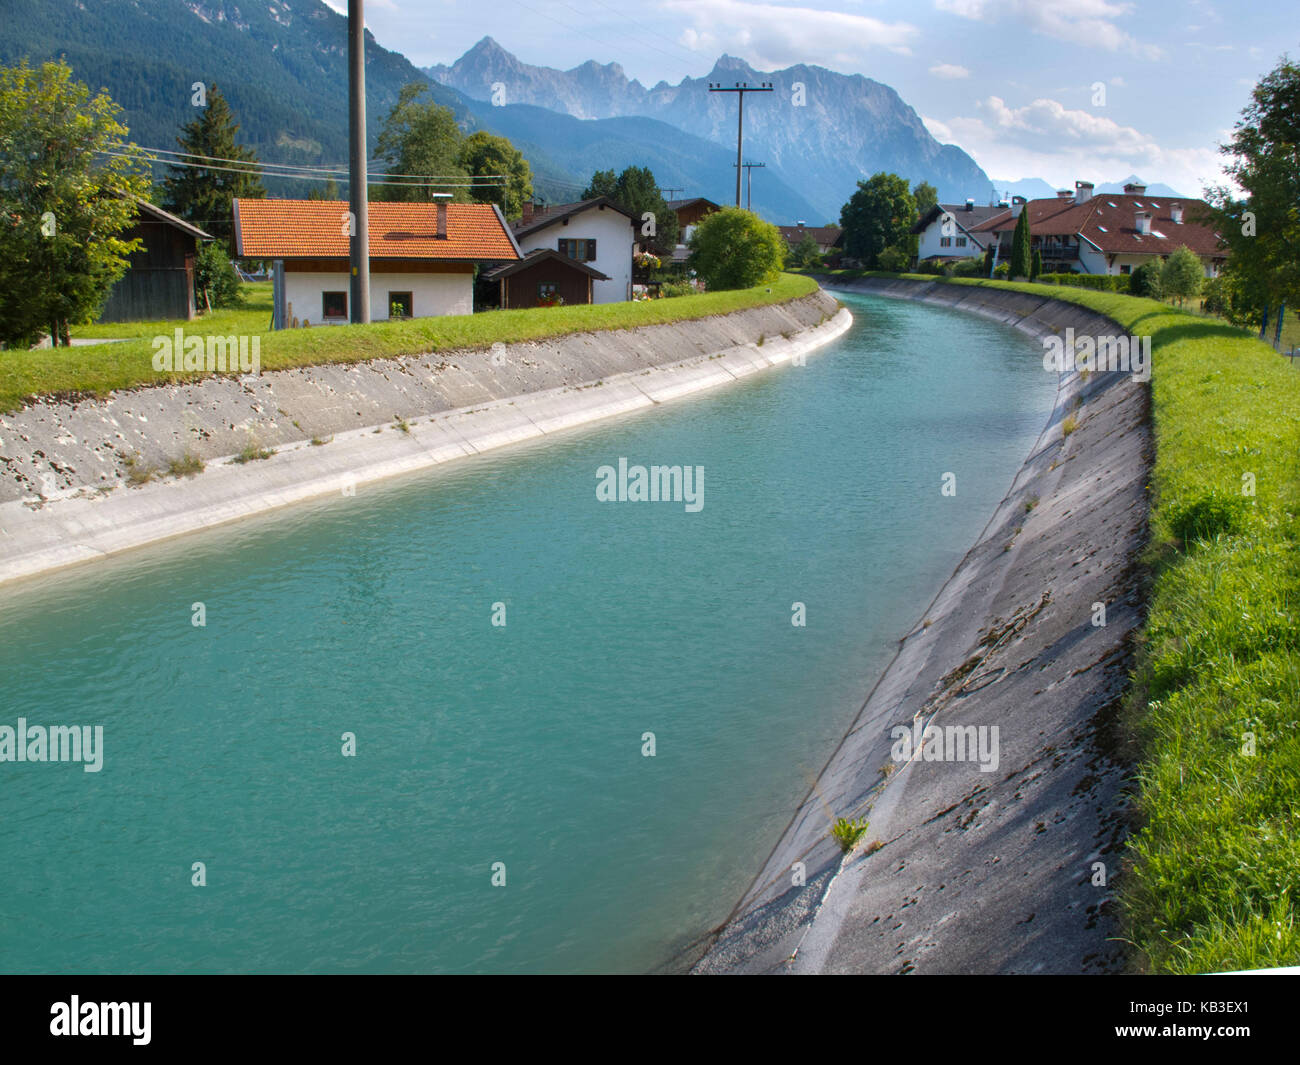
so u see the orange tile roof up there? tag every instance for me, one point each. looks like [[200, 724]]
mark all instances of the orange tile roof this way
[[297, 229]]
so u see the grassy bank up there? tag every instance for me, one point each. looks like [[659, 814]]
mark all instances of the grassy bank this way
[[1215, 883], [98, 369]]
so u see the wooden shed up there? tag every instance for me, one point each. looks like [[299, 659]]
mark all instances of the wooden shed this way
[[542, 276], [159, 283]]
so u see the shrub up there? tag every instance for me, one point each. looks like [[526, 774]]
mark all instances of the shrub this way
[[1003, 270], [1207, 515], [1182, 275], [846, 832], [1145, 281], [734, 248], [893, 260], [215, 280], [672, 289]]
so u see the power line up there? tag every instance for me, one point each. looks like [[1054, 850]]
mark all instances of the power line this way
[[315, 168]]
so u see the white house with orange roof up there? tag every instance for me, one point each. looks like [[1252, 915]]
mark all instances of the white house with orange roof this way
[[422, 256]]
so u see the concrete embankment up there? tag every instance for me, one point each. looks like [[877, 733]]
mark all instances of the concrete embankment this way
[[967, 868], [70, 472]]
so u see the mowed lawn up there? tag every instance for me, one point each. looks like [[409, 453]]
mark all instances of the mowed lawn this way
[[96, 370]]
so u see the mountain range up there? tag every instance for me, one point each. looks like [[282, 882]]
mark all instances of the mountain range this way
[[1038, 189], [282, 64]]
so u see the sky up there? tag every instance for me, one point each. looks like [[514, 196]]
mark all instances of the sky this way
[[1053, 89]]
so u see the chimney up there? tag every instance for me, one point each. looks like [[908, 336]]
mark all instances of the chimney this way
[[1176, 213], [1134, 189], [442, 220], [528, 211], [1082, 191], [1143, 221], [1017, 205], [970, 205], [800, 223], [1064, 194]]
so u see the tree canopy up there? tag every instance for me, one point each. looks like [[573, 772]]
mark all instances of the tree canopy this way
[[637, 192], [482, 155], [879, 215], [64, 205], [419, 137], [203, 196]]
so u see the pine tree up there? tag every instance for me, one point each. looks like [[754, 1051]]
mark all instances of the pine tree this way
[[1021, 262], [200, 195]]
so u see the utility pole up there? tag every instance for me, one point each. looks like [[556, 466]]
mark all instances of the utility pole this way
[[667, 194], [359, 240], [749, 184], [740, 88]]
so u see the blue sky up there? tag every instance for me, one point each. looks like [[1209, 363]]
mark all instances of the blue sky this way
[[1010, 81]]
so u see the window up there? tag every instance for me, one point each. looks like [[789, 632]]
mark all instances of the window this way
[[334, 304], [1126, 268], [400, 305], [945, 242], [584, 251], [547, 289], [961, 242]]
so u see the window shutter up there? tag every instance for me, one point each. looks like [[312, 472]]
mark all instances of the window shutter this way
[[564, 246], [591, 251]]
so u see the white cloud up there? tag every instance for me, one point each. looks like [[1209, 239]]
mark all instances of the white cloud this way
[[1081, 22], [779, 35], [1048, 140], [949, 70]]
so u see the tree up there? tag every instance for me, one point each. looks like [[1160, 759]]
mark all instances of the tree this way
[[1262, 229], [926, 196], [484, 154], [637, 192], [1182, 275], [328, 191], [420, 138], [1021, 245], [734, 248], [63, 206], [215, 282], [806, 254], [1036, 265], [1145, 281], [200, 195], [879, 215]]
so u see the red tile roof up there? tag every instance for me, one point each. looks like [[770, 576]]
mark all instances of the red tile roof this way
[[298, 229], [1109, 221]]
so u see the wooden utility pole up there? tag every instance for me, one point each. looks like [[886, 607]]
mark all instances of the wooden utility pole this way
[[740, 88], [359, 219], [749, 184]]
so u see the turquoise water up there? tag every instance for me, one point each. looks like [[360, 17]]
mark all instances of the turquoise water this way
[[478, 744]]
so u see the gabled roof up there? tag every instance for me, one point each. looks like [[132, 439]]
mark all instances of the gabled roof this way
[[310, 229], [144, 207], [827, 235], [549, 216], [677, 205], [1109, 222], [534, 257], [967, 220]]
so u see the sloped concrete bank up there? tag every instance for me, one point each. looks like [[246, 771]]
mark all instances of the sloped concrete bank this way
[[70, 472], [964, 870]]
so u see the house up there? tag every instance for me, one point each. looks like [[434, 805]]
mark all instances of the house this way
[[543, 278], [689, 214], [159, 280], [948, 231], [828, 238], [1107, 233], [597, 233], [422, 256]]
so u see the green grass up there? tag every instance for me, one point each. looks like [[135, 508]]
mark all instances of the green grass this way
[[1215, 877], [99, 369], [846, 833]]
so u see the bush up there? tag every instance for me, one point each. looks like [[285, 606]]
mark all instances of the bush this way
[[1096, 282], [670, 289], [1145, 281], [1002, 270], [734, 248], [215, 280], [929, 266], [893, 260], [1182, 275], [969, 268]]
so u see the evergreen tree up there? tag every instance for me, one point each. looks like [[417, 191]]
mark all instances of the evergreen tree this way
[[637, 192], [200, 195], [1021, 258], [328, 191], [1036, 265]]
